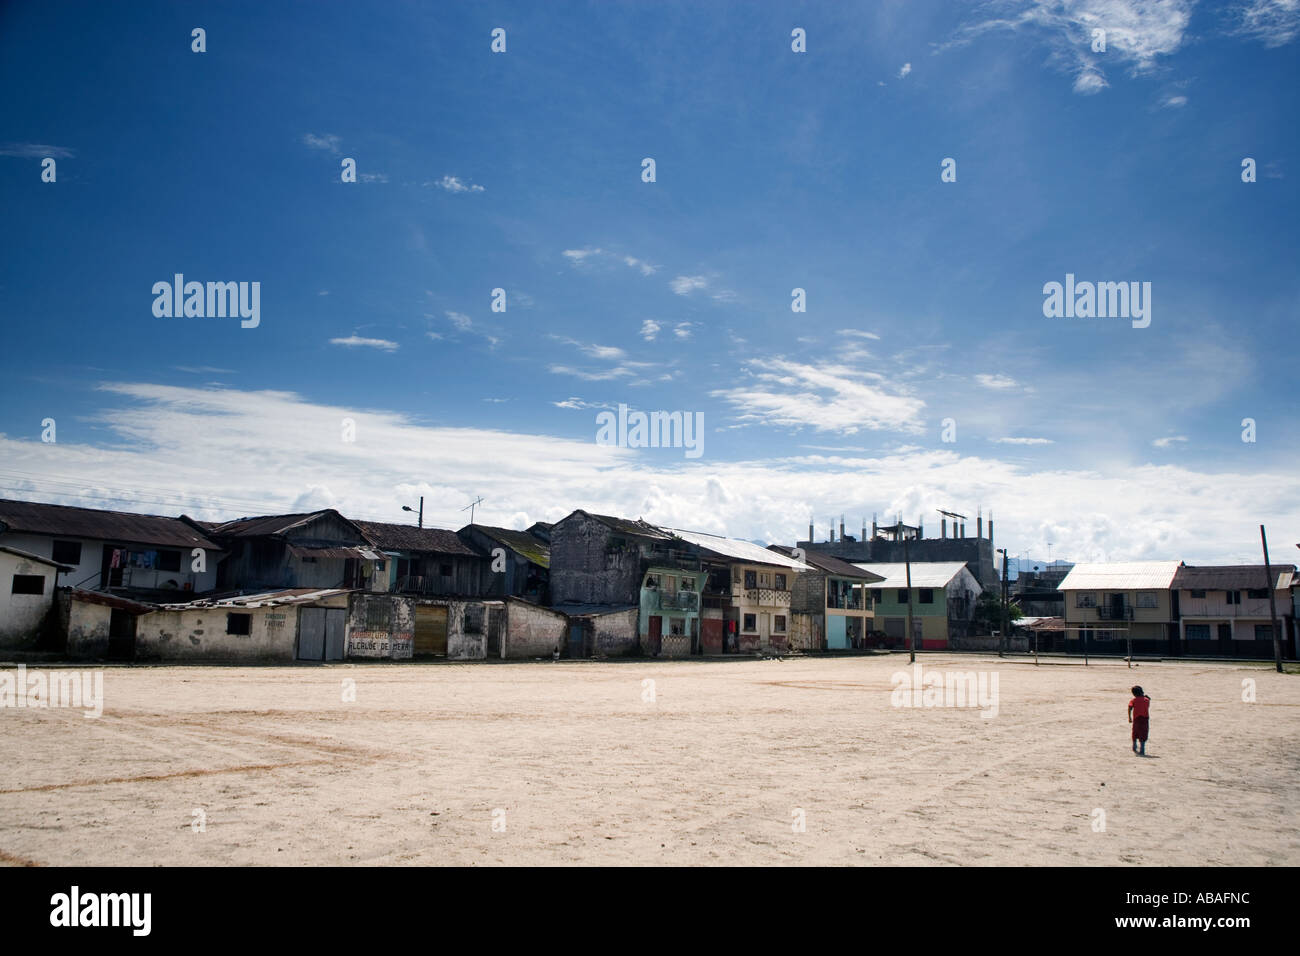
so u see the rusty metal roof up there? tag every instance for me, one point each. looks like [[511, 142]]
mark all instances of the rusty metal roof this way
[[262, 599], [404, 537], [829, 563], [1231, 577], [305, 551], [737, 549], [124, 527], [268, 524], [521, 542]]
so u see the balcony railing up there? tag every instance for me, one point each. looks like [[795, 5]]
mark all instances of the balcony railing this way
[[767, 596], [681, 601], [1107, 612], [844, 604]]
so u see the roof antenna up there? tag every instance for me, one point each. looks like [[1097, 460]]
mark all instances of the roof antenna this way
[[470, 508]]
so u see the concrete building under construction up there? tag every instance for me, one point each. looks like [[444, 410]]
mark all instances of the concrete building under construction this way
[[887, 544]]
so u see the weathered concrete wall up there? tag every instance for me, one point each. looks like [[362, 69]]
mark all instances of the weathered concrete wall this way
[[588, 568], [808, 592], [88, 629], [614, 634], [533, 631], [200, 634], [381, 625], [21, 614], [805, 630], [467, 631]]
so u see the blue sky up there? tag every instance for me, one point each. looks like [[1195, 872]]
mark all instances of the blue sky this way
[[775, 170]]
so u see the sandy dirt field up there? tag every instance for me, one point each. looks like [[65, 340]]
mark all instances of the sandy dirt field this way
[[574, 766]]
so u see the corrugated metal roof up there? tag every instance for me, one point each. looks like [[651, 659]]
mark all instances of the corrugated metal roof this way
[[1121, 576], [266, 524], [125, 527], [521, 542], [306, 551], [1231, 577], [925, 574], [828, 563], [110, 600], [737, 549], [404, 537], [264, 599]]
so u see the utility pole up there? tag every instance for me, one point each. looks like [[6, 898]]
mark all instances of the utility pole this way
[[1002, 644], [1272, 605], [421, 518], [911, 634]]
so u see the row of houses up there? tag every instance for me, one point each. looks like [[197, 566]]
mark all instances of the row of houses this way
[[320, 586]]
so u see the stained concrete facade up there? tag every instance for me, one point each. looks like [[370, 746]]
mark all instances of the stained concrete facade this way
[[22, 614]]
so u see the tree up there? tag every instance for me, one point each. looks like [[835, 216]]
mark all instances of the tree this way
[[988, 612]]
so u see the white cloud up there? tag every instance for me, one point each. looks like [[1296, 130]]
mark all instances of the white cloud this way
[[1024, 441], [682, 330], [329, 142], [645, 267], [604, 375], [579, 404], [826, 397], [904, 70], [859, 333], [580, 255], [685, 285], [453, 184], [1275, 22], [997, 382], [356, 341], [460, 320], [649, 329], [1173, 102], [1138, 33], [292, 459], [374, 177], [1167, 442]]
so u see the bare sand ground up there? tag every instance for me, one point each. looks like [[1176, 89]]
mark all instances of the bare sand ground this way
[[582, 770]]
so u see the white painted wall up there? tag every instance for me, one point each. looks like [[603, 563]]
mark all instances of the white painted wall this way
[[21, 614], [92, 557]]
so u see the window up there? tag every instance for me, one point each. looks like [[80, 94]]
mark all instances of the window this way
[[1198, 592], [1105, 635], [927, 596], [677, 626], [1263, 632], [1198, 632], [778, 624], [652, 580], [444, 570], [751, 580], [240, 625], [670, 583], [902, 595], [377, 615], [1233, 597], [751, 623], [169, 560], [1085, 599], [1256, 594], [764, 579], [876, 596], [67, 552], [688, 584], [381, 565], [1148, 599], [29, 584], [474, 618], [780, 582]]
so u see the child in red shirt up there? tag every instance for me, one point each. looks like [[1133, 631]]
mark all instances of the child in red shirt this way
[[1139, 715]]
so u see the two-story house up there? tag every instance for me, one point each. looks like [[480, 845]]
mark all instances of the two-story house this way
[[1107, 604], [943, 595], [1224, 609], [834, 599]]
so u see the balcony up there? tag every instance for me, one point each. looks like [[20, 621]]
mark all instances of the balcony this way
[[1110, 612], [844, 604], [680, 601], [766, 596]]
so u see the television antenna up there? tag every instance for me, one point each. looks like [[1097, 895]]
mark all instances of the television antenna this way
[[470, 508]]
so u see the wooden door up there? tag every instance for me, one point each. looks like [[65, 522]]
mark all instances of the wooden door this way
[[430, 631]]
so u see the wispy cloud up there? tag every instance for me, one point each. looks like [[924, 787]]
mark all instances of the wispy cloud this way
[[905, 69], [683, 330], [997, 382], [645, 268], [1138, 32], [453, 184], [581, 255], [1173, 101], [328, 142], [827, 397], [579, 404], [36, 151], [603, 375], [356, 341], [685, 285], [1275, 22], [1024, 441], [649, 329], [1168, 441]]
